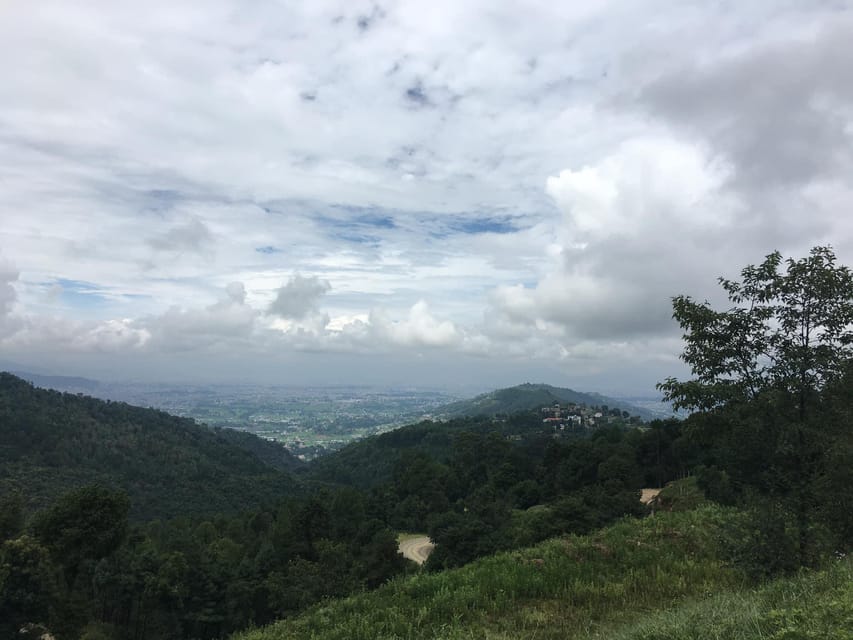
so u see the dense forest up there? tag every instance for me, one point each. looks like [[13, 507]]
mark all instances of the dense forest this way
[[172, 530], [169, 466]]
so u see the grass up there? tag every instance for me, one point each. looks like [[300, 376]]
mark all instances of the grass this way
[[807, 607], [576, 586], [682, 495]]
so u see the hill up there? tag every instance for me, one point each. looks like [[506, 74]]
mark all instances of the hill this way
[[530, 397], [51, 442], [370, 462], [656, 578]]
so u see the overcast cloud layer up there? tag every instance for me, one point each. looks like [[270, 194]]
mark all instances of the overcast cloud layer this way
[[405, 192]]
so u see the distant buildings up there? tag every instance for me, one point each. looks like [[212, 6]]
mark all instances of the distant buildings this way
[[573, 415]]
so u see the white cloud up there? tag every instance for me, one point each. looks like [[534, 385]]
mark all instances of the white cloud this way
[[641, 186], [8, 275], [516, 182], [8, 297], [227, 323], [113, 336], [632, 234], [420, 328]]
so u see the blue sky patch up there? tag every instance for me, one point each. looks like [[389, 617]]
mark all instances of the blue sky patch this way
[[80, 294], [358, 238], [366, 216], [359, 228], [452, 225], [484, 225], [375, 220]]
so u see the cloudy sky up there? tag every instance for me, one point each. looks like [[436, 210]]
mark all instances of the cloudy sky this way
[[411, 192]]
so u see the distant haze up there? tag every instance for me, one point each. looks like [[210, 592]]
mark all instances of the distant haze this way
[[444, 194]]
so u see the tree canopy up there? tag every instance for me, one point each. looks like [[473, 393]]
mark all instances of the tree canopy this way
[[789, 329]]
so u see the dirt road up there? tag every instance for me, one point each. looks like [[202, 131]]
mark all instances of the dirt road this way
[[417, 549], [649, 495]]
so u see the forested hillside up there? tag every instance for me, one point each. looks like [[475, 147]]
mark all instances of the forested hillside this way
[[51, 442], [477, 485]]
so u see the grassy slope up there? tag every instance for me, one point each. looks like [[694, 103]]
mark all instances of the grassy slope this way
[[571, 587], [654, 579], [810, 606]]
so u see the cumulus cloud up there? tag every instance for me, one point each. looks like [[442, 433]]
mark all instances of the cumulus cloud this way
[[298, 297], [645, 183], [638, 226], [58, 335], [112, 336], [419, 328], [226, 323]]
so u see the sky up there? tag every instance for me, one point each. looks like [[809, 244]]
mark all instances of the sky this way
[[431, 193]]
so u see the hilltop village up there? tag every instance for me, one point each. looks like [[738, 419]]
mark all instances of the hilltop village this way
[[571, 416]]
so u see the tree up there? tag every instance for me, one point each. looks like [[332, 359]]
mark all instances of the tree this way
[[788, 332], [760, 370], [85, 524], [28, 589]]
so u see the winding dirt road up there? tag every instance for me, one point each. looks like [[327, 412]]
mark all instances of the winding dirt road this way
[[417, 549]]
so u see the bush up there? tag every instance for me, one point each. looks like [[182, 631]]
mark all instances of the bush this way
[[762, 540]]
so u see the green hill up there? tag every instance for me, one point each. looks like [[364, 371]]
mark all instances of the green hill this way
[[370, 462], [659, 578], [529, 397], [51, 442]]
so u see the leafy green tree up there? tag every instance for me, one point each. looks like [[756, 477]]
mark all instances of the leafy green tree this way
[[760, 369], [86, 524], [28, 589], [380, 560], [459, 538], [788, 331]]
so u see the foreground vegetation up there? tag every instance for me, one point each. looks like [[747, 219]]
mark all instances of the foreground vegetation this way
[[659, 578], [811, 606]]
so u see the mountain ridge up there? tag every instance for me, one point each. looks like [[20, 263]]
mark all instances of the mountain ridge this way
[[531, 396], [51, 442]]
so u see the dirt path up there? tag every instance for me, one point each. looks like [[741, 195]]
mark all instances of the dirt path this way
[[417, 549], [649, 495]]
